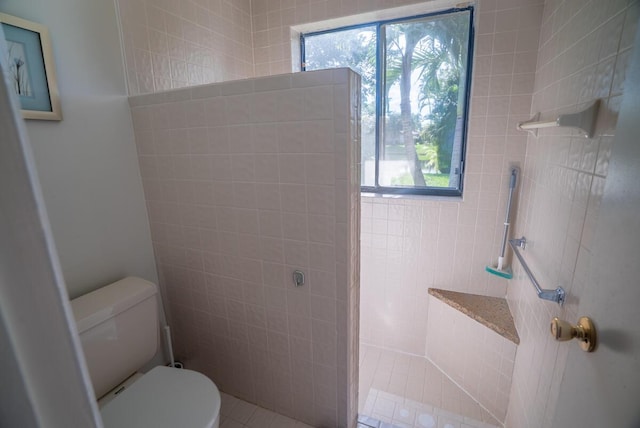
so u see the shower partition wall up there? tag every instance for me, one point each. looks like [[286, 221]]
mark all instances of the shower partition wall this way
[[247, 182]]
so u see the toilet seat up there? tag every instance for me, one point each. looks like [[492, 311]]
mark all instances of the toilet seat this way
[[165, 398]]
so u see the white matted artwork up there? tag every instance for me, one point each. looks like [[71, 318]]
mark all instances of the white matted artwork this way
[[31, 68]]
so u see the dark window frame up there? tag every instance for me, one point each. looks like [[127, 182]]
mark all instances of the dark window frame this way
[[380, 55]]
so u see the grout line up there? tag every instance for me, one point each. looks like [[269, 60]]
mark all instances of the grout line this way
[[372, 394], [466, 392]]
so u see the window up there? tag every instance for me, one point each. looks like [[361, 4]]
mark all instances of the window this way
[[415, 90]]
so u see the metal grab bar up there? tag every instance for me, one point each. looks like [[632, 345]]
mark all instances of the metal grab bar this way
[[557, 295]]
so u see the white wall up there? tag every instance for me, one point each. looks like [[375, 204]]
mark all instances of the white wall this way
[[87, 162], [14, 401], [44, 382]]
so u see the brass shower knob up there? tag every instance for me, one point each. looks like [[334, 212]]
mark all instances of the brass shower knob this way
[[585, 332]]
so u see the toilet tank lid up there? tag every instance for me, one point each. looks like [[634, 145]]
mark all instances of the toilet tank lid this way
[[106, 302]]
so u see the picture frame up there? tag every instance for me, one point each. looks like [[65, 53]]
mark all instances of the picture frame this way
[[31, 68]]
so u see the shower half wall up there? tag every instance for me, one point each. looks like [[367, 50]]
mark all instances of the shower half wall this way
[[246, 182]]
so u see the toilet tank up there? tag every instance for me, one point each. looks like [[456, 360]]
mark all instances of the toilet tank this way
[[118, 328]]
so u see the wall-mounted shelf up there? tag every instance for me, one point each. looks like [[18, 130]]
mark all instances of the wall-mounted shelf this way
[[585, 121]]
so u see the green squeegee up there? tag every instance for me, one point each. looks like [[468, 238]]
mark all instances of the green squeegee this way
[[500, 269]]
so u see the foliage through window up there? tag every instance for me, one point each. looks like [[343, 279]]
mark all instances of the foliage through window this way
[[415, 88]]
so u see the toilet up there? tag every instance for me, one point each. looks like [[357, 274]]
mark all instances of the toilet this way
[[119, 331]]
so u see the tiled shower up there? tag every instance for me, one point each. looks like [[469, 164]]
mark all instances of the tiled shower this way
[[247, 181], [529, 56], [549, 57], [407, 245], [410, 245]]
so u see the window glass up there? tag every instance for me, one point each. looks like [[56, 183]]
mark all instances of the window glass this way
[[414, 95], [355, 48]]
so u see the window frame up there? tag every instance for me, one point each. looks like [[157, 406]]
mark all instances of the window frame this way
[[379, 108]]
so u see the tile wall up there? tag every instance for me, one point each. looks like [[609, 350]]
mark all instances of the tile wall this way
[[475, 357], [409, 245], [176, 43], [583, 46], [584, 49], [246, 182], [409, 391]]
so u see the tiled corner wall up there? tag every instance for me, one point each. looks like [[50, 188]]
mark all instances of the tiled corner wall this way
[[246, 182], [475, 357], [171, 44], [409, 245], [584, 49]]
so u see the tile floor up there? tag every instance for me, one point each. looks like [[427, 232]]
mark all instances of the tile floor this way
[[236, 413], [401, 390], [396, 391]]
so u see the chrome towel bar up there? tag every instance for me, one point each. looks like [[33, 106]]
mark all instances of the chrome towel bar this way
[[557, 295]]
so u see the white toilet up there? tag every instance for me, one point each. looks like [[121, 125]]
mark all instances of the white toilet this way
[[119, 331]]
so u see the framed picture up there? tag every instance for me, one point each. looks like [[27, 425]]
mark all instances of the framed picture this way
[[31, 69]]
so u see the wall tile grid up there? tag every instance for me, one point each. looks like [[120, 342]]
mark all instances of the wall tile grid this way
[[176, 43], [401, 255], [584, 49], [409, 245], [409, 391], [246, 181], [478, 359]]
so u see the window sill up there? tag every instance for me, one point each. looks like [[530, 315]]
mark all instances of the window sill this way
[[436, 198]]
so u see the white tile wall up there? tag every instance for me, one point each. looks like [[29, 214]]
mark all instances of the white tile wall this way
[[583, 48], [583, 53], [409, 245], [444, 244], [413, 384], [478, 359], [238, 194], [176, 43]]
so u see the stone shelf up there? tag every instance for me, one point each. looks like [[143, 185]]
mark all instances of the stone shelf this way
[[492, 312]]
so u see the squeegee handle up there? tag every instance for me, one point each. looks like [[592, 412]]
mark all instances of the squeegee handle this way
[[507, 220]]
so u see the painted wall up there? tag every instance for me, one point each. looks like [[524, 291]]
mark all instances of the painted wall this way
[[246, 182], [87, 162], [44, 381], [584, 50], [172, 44]]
